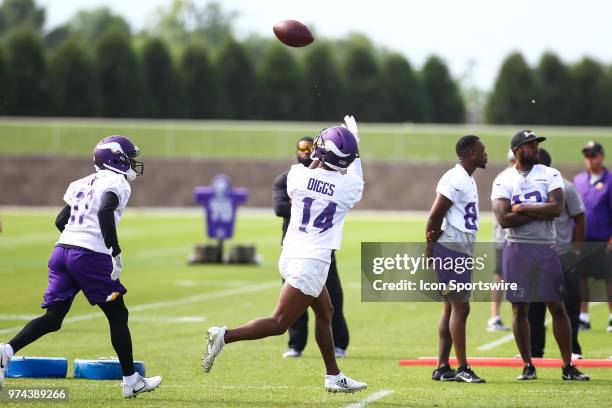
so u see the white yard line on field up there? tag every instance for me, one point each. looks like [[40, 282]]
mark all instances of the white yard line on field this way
[[509, 337], [169, 303], [370, 398]]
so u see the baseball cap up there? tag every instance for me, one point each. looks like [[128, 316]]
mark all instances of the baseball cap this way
[[593, 147], [524, 136]]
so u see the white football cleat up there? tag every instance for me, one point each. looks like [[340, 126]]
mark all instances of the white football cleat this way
[[292, 353], [142, 385], [342, 383], [214, 345], [4, 360], [339, 352]]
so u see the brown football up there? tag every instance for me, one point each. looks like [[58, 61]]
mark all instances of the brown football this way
[[293, 33]]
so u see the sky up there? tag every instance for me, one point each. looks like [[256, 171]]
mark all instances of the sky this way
[[472, 36]]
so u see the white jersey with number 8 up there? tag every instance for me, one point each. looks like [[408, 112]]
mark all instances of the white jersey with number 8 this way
[[320, 200], [84, 197]]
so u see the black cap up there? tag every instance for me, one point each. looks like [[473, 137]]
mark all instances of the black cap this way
[[593, 148], [525, 136]]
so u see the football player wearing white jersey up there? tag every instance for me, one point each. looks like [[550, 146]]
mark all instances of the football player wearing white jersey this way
[[87, 258], [526, 201], [455, 206], [321, 196]]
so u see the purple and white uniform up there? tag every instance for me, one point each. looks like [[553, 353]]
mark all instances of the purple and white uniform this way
[[460, 224], [81, 260], [320, 200], [529, 257]]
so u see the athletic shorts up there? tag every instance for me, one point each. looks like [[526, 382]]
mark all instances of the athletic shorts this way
[[72, 269], [306, 275], [448, 265], [536, 270]]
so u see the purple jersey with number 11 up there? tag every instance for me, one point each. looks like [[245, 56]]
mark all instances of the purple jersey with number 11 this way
[[320, 200]]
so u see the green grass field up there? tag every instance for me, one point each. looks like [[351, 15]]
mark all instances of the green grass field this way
[[275, 140], [162, 288]]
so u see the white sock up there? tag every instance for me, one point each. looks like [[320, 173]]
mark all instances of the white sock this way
[[584, 317], [9, 350], [494, 319], [610, 316], [131, 380], [334, 376]]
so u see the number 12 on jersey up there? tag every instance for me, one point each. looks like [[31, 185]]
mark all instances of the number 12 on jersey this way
[[324, 220]]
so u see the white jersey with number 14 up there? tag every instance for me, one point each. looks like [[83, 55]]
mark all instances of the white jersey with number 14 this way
[[320, 200]]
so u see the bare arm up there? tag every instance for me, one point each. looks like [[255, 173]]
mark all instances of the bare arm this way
[[440, 207], [547, 211], [505, 217]]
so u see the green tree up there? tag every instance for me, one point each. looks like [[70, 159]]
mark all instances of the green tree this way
[[514, 90], [281, 86], [19, 13], [591, 102], [198, 83], [324, 86], [366, 97], [445, 102], [184, 21], [554, 91], [238, 81], [160, 80], [117, 81], [4, 83], [57, 36], [72, 81], [91, 25], [407, 102], [27, 73]]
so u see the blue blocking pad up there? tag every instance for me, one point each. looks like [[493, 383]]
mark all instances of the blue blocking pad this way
[[103, 369], [37, 367]]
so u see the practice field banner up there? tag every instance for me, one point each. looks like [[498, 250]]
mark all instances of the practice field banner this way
[[525, 272]]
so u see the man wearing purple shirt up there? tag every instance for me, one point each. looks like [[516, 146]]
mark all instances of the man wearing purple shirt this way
[[595, 187]]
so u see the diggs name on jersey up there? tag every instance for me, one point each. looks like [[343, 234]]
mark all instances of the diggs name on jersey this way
[[321, 187]]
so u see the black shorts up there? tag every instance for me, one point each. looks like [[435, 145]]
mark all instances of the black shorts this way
[[596, 261]]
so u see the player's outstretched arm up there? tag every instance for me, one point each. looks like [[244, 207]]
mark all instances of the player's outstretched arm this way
[[547, 211], [505, 217], [355, 167]]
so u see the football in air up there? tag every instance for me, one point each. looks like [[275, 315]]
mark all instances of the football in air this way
[[293, 33]]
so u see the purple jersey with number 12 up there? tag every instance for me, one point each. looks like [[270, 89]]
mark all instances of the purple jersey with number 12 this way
[[84, 197], [320, 200]]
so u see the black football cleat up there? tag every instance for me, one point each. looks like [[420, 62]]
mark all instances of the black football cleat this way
[[571, 373], [444, 373], [529, 373], [466, 375]]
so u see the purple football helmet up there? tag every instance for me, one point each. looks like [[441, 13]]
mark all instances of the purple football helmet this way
[[336, 147], [116, 153]]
